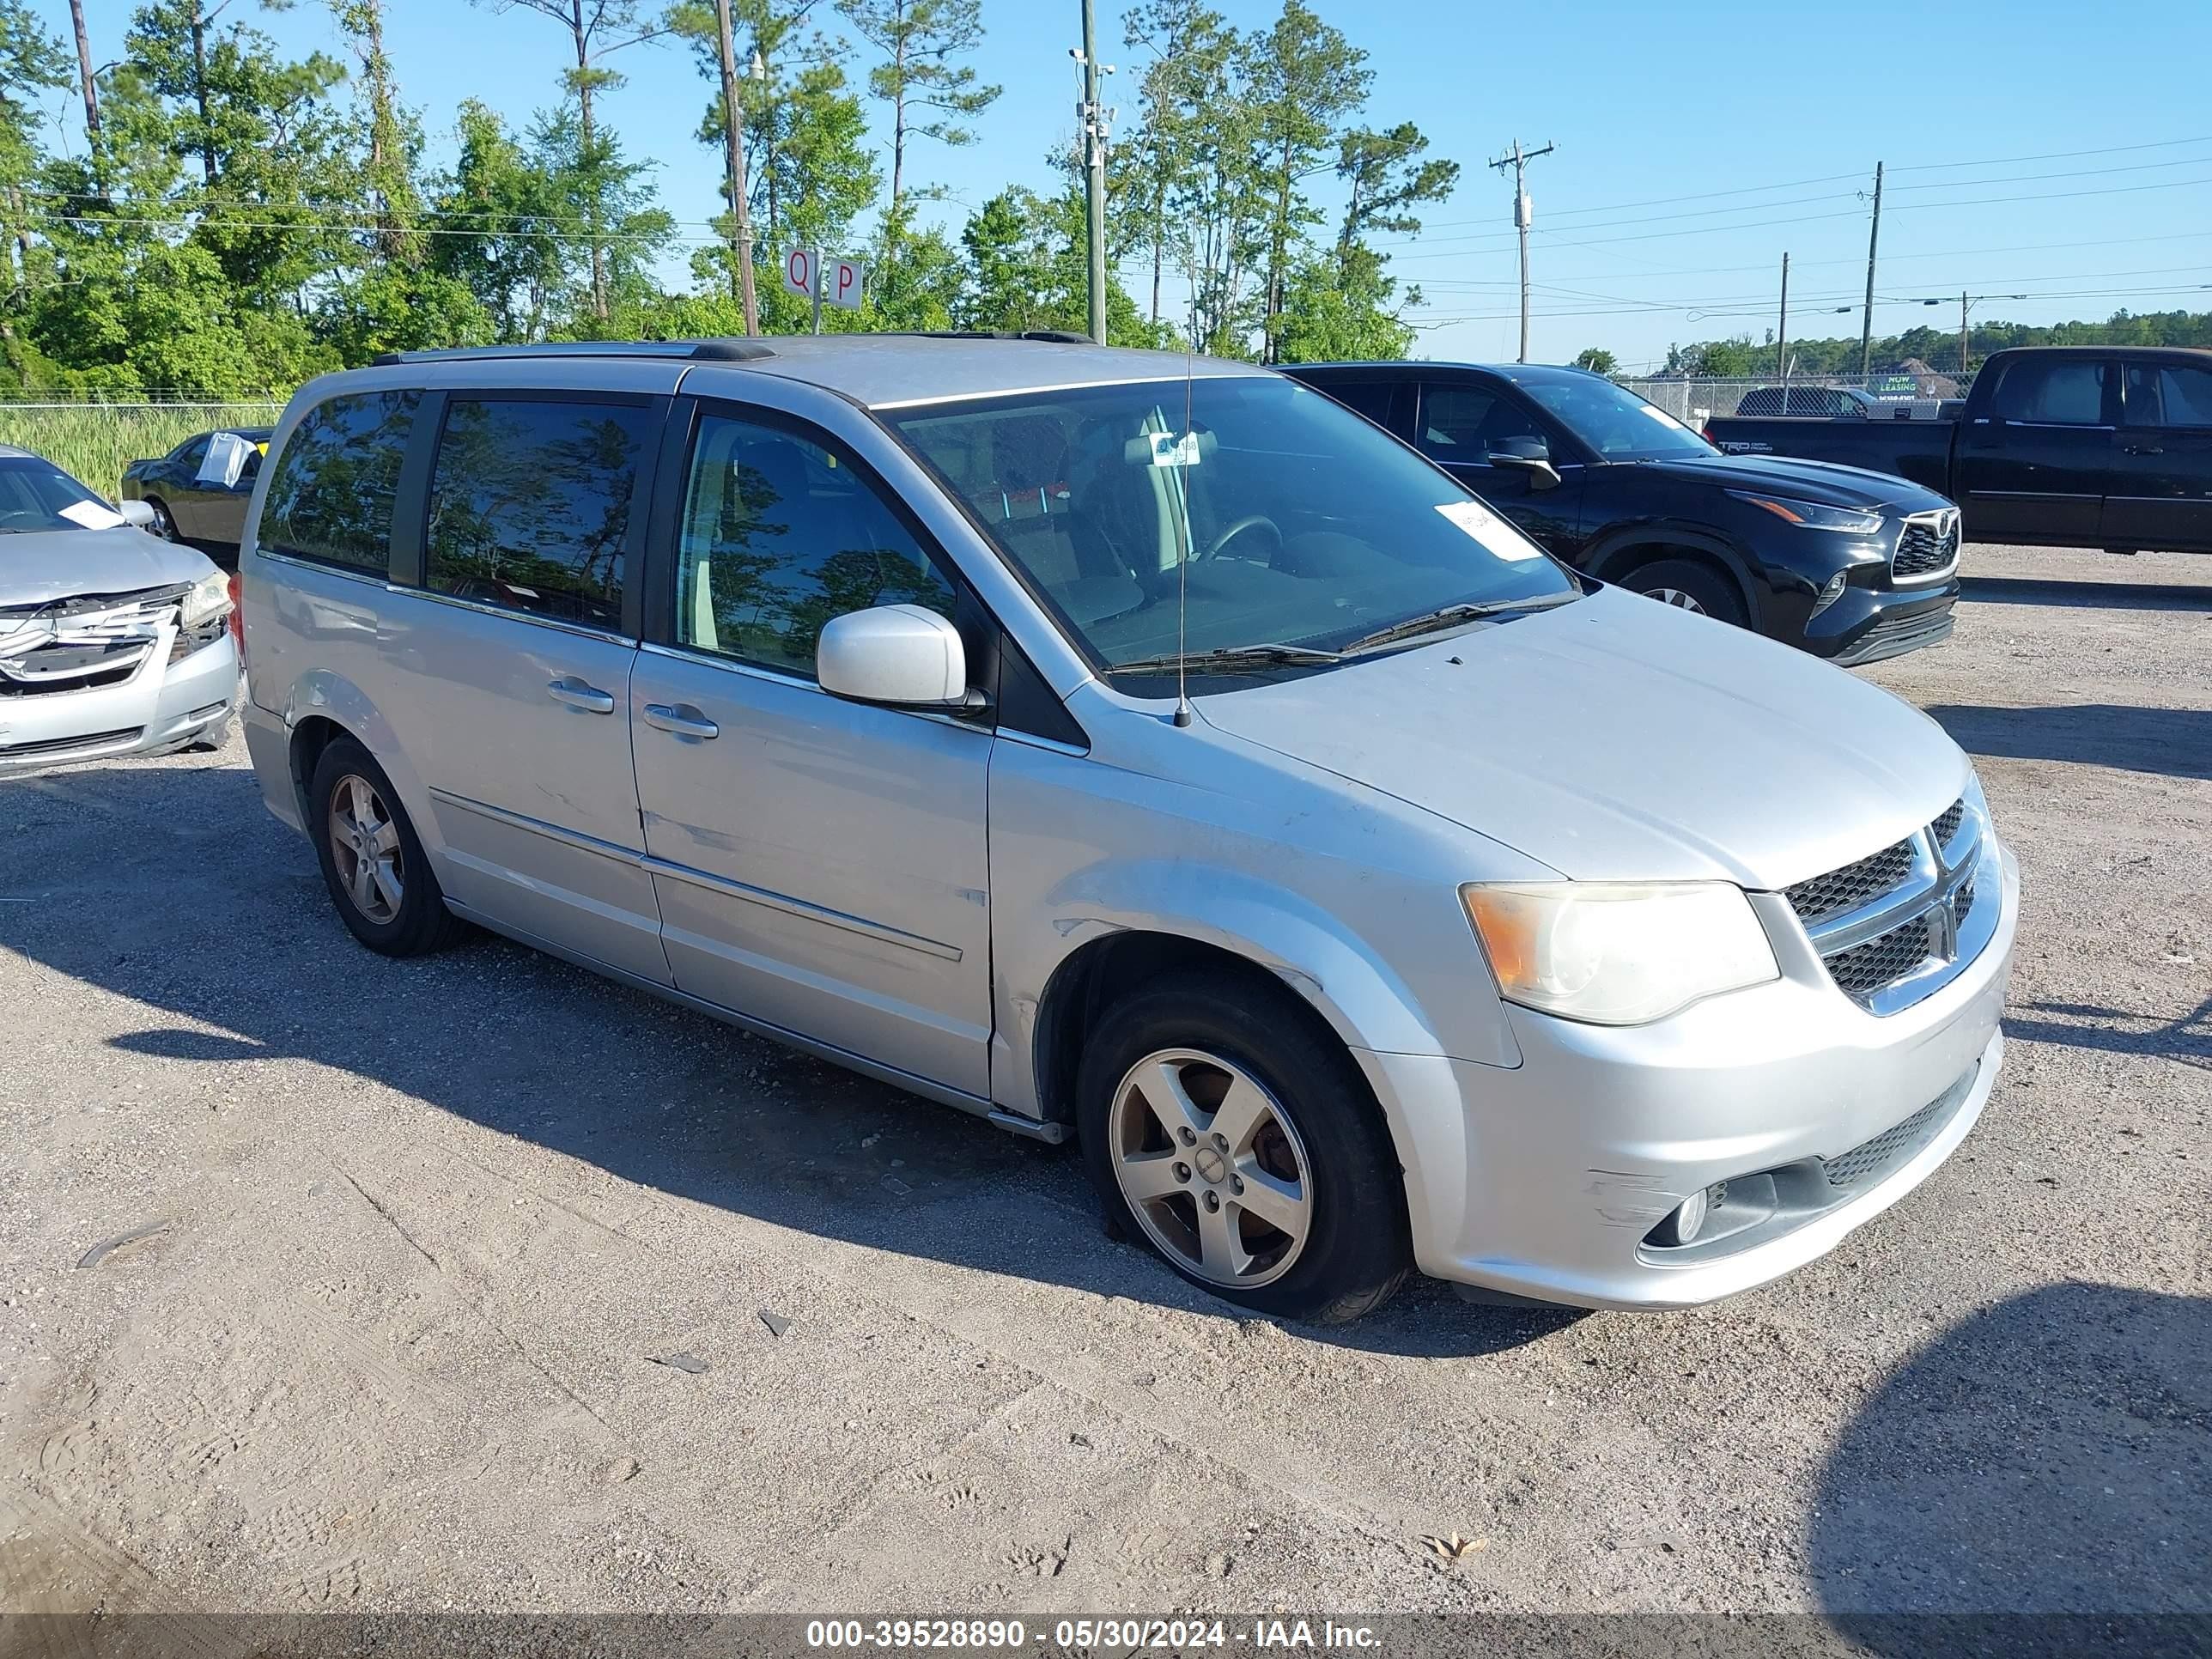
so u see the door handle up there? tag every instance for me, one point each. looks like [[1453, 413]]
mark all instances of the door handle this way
[[573, 692], [682, 720], [2144, 449]]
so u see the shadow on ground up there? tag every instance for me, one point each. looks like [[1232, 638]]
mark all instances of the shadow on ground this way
[[2094, 596], [2174, 742], [2048, 1459], [175, 889], [2115, 1030]]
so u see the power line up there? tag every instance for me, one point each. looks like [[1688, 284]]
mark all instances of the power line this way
[[2056, 154]]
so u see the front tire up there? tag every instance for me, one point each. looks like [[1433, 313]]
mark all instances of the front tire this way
[[1689, 585], [1242, 1146], [372, 860], [165, 524]]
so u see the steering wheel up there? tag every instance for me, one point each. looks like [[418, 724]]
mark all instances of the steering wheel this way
[[1250, 521]]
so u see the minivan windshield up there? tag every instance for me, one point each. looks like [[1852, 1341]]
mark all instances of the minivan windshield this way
[[1613, 420], [1278, 518], [36, 494]]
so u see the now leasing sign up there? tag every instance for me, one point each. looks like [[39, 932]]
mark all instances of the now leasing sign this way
[[834, 281]]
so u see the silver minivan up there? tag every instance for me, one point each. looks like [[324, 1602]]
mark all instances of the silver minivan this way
[[1147, 751]]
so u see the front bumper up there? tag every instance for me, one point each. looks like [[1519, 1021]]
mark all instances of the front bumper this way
[[1868, 624], [1545, 1180], [162, 706]]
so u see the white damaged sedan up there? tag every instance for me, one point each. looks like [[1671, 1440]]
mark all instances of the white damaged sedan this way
[[112, 640]]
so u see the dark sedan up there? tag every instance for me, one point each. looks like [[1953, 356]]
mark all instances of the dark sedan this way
[[1849, 565], [189, 505]]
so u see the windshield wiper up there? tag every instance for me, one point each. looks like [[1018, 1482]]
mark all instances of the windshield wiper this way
[[1450, 616], [1227, 660]]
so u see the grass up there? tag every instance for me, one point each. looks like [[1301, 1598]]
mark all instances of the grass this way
[[92, 442]]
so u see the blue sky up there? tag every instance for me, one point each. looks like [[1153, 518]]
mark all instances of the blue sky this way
[[1698, 141]]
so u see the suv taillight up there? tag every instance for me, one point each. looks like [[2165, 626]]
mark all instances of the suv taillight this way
[[237, 617]]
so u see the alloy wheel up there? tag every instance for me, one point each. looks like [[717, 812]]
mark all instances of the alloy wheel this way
[[1676, 596], [1212, 1167], [365, 842], [164, 526]]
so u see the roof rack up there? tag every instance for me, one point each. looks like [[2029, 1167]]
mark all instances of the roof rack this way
[[724, 350], [1049, 335]]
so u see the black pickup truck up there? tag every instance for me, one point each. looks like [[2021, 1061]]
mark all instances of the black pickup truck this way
[[2056, 445]]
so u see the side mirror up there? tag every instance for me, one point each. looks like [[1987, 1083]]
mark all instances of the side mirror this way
[[901, 654], [136, 512], [1530, 455]]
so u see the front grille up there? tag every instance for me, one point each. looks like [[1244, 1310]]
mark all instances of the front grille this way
[[63, 745], [1881, 961], [1892, 1146], [1925, 549], [1845, 890], [1902, 881]]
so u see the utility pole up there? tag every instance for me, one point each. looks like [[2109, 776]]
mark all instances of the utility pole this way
[[1866, 317], [1518, 159], [1092, 120], [84, 76], [734, 118], [1782, 336]]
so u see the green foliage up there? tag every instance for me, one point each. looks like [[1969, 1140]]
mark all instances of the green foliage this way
[[928, 92], [1597, 360], [1338, 306]]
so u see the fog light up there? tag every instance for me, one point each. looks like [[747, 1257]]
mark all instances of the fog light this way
[[1831, 591], [1687, 1219]]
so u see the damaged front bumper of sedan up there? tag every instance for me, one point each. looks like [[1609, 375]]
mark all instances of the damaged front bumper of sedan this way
[[101, 675]]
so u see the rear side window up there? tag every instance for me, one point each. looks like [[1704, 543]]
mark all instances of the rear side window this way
[[330, 498], [2062, 391], [530, 504], [1378, 400]]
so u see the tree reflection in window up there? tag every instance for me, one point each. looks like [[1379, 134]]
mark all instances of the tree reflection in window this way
[[779, 537], [530, 505]]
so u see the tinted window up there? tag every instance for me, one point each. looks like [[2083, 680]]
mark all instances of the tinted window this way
[[2055, 391], [2160, 394], [778, 536], [1465, 422], [190, 453], [1279, 516], [530, 503], [1377, 399], [331, 495]]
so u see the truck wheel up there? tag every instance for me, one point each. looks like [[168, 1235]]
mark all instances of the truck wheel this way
[[1688, 586], [372, 860], [1243, 1146]]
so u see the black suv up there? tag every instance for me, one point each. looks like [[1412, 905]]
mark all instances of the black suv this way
[[1852, 565]]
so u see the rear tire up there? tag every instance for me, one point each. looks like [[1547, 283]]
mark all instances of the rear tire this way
[[372, 860], [1689, 585], [1304, 1146]]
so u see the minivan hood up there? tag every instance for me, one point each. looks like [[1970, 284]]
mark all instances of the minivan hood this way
[[43, 565], [1617, 739], [1804, 481]]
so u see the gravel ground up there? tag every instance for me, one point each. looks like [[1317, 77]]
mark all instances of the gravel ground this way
[[430, 1233]]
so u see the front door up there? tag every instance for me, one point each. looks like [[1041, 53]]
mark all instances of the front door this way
[[519, 647], [1461, 423], [820, 865], [2160, 494], [2033, 468]]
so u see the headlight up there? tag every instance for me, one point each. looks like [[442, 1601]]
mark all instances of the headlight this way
[[1618, 953], [211, 596], [1811, 516]]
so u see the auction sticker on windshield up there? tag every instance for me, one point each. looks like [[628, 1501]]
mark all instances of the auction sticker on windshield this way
[[1492, 531]]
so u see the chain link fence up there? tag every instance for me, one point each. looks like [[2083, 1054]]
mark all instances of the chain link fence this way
[[1902, 394]]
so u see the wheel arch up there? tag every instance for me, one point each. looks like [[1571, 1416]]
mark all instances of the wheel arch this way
[[323, 706], [1614, 559]]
